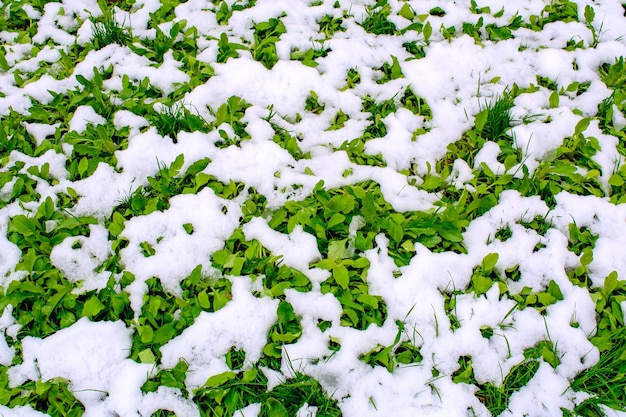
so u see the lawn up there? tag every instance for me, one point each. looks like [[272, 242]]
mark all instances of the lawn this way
[[312, 208]]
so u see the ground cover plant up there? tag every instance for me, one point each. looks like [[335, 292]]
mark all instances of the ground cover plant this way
[[314, 208]]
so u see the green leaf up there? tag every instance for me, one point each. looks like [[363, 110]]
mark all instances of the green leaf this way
[[590, 14], [586, 258], [219, 301], [249, 375], [481, 284], [465, 376], [337, 249], [616, 180], [22, 225], [219, 379], [177, 165], [396, 232], [117, 224], [396, 70], [582, 125], [146, 333], [273, 350], [427, 32], [490, 261], [203, 300], [188, 228], [481, 119], [610, 283], [554, 100], [341, 276], [220, 116], [164, 333], [4, 65], [92, 307], [276, 408], [285, 312], [283, 338], [198, 166], [406, 11], [335, 220], [545, 298], [82, 166], [146, 356], [369, 207], [554, 290]]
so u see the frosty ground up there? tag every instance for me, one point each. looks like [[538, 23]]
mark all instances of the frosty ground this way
[[327, 208]]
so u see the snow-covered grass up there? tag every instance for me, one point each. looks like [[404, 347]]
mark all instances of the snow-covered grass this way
[[294, 207]]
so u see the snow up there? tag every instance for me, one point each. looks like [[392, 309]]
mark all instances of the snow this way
[[453, 78], [83, 116], [243, 323]]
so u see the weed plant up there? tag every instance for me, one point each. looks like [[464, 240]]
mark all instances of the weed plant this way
[[328, 25], [376, 21], [498, 116], [110, 31], [225, 393], [176, 118], [605, 380], [266, 34]]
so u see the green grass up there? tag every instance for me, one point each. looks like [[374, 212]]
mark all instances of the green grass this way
[[605, 380], [498, 117], [225, 393], [110, 31], [376, 21], [171, 120]]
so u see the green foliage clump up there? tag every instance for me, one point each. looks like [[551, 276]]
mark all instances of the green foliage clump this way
[[377, 111], [557, 10], [13, 136], [338, 121], [165, 316], [98, 143], [417, 105], [284, 138], [605, 380], [24, 185], [227, 49], [391, 71], [613, 76], [44, 300], [231, 113], [348, 283], [496, 398], [355, 149], [173, 378], [223, 394], [110, 31], [242, 257], [353, 78], [176, 118], [169, 182], [328, 25], [223, 12], [312, 104], [376, 21], [266, 34], [53, 396], [329, 214], [287, 329], [308, 57], [403, 352]]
